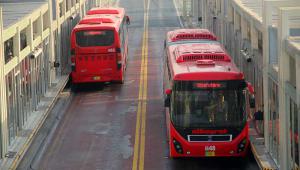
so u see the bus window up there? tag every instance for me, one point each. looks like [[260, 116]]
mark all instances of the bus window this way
[[95, 38], [121, 37], [208, 107]]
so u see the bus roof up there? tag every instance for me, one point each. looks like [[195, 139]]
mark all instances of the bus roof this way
[[96, 11], [101, 21], [201, 62], [190, 34]]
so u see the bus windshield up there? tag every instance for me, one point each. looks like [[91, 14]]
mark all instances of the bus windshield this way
[[93, 38], [208, 104]]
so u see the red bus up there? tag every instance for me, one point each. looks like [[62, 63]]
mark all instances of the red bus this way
[[99, 47], [205, 100], [186, 35]]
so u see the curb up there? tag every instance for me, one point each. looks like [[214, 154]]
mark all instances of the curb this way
[[58, 112], [260, 163]]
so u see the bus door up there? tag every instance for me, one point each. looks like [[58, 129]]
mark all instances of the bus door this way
[[96, 53]]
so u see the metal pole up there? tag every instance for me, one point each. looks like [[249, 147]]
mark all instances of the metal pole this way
[[3, 102]]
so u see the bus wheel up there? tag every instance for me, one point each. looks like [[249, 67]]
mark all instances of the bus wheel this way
[[74, 87], [122, 80], [171, 156]]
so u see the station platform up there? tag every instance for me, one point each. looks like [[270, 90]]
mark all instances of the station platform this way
[[29, 134], [262, 157]]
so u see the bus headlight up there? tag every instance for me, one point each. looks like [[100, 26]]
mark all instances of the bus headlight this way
[[242, 145], [177, 146]]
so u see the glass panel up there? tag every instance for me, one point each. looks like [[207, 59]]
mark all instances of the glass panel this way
[[1, 134], [273, 39], [46, 66], [61, 9], [66, 28], [208, 104], [260, 41], [23, 39], [11, 107], [8, 50], [28, 85], [17, 96], [57, 52], [294, 135], [54, 9], [67, 5], [39, 78], [33, 70], [274, 121], [23, 90], [95, 38]]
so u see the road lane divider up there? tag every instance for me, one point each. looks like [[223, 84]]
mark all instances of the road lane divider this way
[[140, 130]]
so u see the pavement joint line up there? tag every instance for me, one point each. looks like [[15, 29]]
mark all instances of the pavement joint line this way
[[21, 152]]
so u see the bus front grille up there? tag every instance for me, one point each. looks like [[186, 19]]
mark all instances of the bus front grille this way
[[209, 138]]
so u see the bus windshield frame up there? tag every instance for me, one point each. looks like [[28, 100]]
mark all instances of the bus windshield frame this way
[[208, 104], [95, 38]]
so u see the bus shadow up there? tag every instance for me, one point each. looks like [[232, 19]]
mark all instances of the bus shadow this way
[[95, 87], [88, 87], [228, 163]]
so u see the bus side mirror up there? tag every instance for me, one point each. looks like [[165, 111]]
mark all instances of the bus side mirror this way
[[56, 64], [168, 91], [73, 51], [252, 101], [127, 20], [168, 98], [250, 88]]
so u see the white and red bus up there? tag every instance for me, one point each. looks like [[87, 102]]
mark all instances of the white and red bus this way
[[99, 46], [205, 100], [189, 35]]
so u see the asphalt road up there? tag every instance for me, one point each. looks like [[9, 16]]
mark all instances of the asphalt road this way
[[122, 127]]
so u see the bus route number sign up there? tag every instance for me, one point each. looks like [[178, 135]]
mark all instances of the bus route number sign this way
[[210, 150], [209, 85]]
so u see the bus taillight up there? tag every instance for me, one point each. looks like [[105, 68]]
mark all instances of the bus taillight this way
[[119, 58], [73, 63]]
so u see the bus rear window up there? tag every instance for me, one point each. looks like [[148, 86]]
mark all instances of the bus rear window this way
[[95, 38]]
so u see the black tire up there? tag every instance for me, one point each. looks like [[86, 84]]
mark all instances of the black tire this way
[[74, 87], [120, 81]]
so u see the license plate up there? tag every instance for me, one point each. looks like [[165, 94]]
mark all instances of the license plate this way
[[208, 154], [210, 150], [96, 78]]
